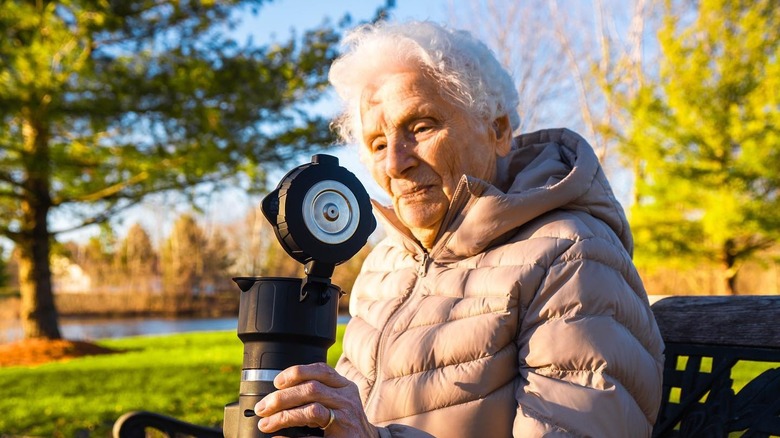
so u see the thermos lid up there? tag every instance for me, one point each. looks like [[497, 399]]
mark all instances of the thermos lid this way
[[320, 212]]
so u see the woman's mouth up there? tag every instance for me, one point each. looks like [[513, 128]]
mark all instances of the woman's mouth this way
[[414, 191]]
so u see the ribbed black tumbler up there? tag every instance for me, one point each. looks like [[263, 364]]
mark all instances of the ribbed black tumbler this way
[[278, 331]]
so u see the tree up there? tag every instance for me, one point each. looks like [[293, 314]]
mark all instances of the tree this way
[[105, 102], [138, 260], [184, 259], [705, 138], [607, 55], [523, 41], [567, 59], [217, 263], [100, 259]]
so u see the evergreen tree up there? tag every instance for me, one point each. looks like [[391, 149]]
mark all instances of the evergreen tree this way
[[100, 262], [183, 259], [138, 260], [705, 138], [103, 103], [218, 260]]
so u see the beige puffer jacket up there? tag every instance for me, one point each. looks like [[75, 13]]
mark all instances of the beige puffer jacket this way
[[526, 319]]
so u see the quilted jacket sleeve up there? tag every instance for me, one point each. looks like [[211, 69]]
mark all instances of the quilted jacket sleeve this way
[[589, 350]]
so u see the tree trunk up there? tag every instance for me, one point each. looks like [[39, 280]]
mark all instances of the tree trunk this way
[[730, 280], [730, 267], [38, 312]]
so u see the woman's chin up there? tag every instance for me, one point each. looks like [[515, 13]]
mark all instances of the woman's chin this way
[[423, 223]]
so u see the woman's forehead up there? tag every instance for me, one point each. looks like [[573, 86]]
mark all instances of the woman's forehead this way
[[397, 91]]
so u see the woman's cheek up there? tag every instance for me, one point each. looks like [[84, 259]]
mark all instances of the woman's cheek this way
[[380, 176]]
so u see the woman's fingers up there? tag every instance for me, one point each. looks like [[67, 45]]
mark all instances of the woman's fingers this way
[[312, 395], [320, 372], [311, 415], [295, 396]]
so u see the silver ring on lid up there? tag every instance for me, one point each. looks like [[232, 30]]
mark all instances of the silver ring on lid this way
[[331, 212]]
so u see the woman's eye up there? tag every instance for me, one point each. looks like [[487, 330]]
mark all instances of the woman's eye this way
[[378, 146], [420, 129]]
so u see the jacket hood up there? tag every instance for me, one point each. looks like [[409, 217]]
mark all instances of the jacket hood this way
[[545, 170]]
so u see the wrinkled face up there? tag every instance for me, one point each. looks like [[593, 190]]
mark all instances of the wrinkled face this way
[[420, 144]]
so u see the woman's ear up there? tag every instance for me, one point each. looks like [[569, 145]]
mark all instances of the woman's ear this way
[[502, 130]]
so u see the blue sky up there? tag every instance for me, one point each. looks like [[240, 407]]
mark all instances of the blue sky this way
[[280, 16]]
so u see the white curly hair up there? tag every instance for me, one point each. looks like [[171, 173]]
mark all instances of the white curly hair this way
[[466, 68]]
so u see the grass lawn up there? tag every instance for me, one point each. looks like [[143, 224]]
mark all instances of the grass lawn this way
[[187, 376]]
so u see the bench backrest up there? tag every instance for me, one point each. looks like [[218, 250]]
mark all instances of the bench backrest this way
[[706, 336]]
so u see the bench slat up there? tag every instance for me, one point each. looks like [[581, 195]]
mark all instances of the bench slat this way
[[720, 320]]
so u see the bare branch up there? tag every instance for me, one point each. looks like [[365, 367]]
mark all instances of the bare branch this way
[[521, 39], [579, 77], [636, 44]]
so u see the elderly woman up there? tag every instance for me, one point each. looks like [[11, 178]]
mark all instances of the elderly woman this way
[[503, 301]]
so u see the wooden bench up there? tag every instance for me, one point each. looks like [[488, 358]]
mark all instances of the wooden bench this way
[[705, 338]]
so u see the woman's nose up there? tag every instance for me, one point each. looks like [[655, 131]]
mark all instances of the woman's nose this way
[[400, 157]]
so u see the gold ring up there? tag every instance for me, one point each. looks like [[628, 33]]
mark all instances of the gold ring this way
[[331, 420]]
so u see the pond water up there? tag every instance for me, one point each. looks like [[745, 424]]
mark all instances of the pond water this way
[[86, 329]]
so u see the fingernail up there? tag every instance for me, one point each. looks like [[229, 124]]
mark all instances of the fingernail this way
[[262, 424], [279, 381], [259, 407]]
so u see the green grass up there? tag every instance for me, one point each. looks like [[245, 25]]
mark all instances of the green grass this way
[[742, 373], [187, 376], [745, 371]]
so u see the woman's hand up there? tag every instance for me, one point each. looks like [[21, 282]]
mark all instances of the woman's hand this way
[[306, 396]]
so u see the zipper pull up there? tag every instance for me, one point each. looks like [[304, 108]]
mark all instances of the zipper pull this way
[[423, 268]]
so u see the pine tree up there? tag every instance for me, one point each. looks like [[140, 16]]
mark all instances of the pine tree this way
[[103, 103]]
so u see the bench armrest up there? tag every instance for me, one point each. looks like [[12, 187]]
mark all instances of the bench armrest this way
[[134, 425]]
